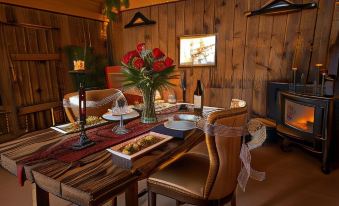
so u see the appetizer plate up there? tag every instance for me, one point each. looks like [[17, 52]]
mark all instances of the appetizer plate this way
[[115, 150], [181, 125], [108, 116], [70, 128]]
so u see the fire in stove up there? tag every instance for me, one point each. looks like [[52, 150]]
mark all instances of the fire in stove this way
[[299, 116]]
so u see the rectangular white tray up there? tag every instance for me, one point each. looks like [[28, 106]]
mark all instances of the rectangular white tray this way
[[61, 128], [115, 149]]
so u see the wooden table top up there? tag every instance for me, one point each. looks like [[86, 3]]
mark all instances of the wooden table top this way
[[92, 180]]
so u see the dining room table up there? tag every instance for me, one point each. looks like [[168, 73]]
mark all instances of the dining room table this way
[[95, 178]]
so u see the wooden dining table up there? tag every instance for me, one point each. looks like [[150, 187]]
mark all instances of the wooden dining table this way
[[92, 180]]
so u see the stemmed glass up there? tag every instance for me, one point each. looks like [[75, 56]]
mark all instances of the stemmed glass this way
[[121, 129]]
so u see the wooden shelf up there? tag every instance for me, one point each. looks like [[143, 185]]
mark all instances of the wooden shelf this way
[[35, 57]]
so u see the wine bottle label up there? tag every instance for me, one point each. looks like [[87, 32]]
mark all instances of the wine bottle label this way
[[197, 101]]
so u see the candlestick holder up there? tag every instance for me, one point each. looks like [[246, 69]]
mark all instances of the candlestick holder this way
[[294, 78], [84, 141]]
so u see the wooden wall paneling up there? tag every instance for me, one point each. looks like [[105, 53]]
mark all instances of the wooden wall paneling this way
[[217, 75], [291, 44], [239, 41], [115, 39], [333, 49], [65, 40], [39, 89], [129, 42], [83, 8], [228, 80], [171, 46], [143, 29], [7, 95], [198, 28], [306, 37], [45, 79], [24, 81], [179, 31], [208, 28], [252, 33], [148, 30], [322, 32], [163, 28], [188, 25], [263, 56], [275, 71], [155, 27]]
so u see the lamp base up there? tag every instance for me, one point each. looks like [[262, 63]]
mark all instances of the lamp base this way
[[120, 130], [84, 142]]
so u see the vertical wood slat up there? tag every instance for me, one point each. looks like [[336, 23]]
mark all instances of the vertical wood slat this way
[[250, 50]]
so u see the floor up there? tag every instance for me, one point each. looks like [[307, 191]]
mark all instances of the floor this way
[[293, 179]]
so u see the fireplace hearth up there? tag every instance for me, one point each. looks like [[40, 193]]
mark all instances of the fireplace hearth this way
[[307, 120]]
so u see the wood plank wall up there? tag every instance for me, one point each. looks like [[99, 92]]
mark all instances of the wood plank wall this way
[[250, 51], [25, 83]]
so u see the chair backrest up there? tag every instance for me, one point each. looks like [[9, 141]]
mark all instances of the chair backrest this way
[[114, 77], [224, 154], [72, 113]]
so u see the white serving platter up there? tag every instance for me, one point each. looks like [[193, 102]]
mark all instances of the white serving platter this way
[[115, 149], [108, 116]]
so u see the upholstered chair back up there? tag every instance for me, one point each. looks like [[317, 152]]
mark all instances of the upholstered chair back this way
[[72, 113], [224, 154]]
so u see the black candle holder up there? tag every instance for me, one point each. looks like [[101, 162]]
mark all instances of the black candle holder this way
[[84, 141]]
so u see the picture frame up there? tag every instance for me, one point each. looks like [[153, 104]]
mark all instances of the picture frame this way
[[197, 50]]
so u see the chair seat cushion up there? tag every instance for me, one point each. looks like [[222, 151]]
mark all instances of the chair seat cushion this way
[[187, 175], [200, 149]]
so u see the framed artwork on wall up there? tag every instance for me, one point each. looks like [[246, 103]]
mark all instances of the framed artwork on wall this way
[[197, 50]]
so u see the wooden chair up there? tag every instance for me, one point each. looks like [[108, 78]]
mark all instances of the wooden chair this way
[[201, 148], [204, 180], [115, 79], [72, 113]]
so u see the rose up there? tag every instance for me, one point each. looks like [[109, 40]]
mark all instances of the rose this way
[[157, 53], [168, 62], [140, 47], [159, 66], [130, 55], [138, 63]]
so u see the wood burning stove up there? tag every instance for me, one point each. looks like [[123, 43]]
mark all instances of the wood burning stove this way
[[307, 120]]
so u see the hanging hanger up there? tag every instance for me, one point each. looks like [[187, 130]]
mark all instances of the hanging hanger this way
[[281, 6], [139, 20]]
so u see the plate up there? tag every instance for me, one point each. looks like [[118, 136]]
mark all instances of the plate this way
[[181, 125], [115, 149], [108, 116]]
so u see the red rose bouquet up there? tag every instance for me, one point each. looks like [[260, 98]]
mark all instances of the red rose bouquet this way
[[147, 70]]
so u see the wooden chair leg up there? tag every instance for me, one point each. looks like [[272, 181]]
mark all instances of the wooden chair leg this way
[[234, 199], [39, 196], [178, 203], [131, 195], [152, 198], [115, 201]]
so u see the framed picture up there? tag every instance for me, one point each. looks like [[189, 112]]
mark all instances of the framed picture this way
[[197, 50]]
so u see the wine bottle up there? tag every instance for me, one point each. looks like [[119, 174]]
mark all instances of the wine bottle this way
[[198, 99]]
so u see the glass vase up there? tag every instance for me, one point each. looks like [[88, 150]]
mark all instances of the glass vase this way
[[148, 113]]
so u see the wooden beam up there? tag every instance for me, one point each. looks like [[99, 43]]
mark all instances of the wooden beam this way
[[135, 4], [83, 8], [38, 107], [35, 57]]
